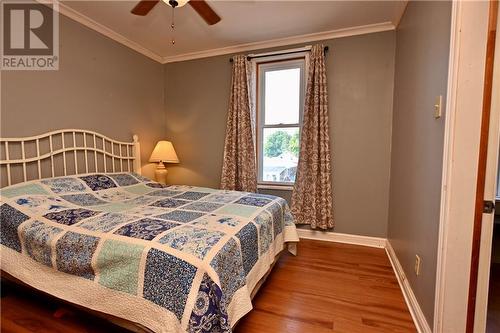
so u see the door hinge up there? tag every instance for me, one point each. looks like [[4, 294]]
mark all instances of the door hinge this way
[[488, 206]]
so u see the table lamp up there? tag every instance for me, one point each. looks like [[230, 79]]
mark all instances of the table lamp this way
[[164, 152]]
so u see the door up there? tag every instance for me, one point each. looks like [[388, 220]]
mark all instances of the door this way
[[488, 162]]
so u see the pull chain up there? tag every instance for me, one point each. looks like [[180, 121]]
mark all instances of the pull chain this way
[[173, 26]]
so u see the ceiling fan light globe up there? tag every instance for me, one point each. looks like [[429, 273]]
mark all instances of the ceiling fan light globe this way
[[180, 2]]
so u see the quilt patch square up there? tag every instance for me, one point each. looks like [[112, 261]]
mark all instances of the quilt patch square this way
[[74, 254], [288, 217], [192, 240], [114, 194], [180, 216], [169, 203], [83, 199], [146, 211], [203, 206], [267, 196], [228, 265], [37, 236], [229, 221], [40, 204], [70, 216], [27, 189], [164, 193], [10, 220], [138, 189], [105, 222], [145, 229], [98, 182], [253, 201], [141, 200], [167, 281], [118, 264], [277, 213], [223, 196], [208, 314], [65, 185], [114, 207], [249, 246], [238, 210], [124, 179], [191, 195], [265, 223], [156, 185], [227, 224]]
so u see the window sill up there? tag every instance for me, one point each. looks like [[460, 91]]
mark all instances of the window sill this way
[[275, 187]]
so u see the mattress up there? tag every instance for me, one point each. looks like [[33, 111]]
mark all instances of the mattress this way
[[170, 258]]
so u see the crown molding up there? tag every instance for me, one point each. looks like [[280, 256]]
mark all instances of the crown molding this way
[[104, 30], [400, 17], [324, 35]]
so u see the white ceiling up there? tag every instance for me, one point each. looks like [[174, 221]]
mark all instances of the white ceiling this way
[[243, 22]]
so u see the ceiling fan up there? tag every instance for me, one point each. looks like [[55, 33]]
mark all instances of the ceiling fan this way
[[200, 6]]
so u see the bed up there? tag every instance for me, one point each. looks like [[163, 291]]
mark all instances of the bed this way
[[94, 232]]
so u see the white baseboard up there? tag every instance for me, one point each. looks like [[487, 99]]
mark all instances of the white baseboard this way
[[415, 310], [342, 238]]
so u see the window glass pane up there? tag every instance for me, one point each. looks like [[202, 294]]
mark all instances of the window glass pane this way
[[282, 96], [280, 154]]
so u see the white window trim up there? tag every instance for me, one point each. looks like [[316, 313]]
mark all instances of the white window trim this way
[[288, 61], [288, 187]]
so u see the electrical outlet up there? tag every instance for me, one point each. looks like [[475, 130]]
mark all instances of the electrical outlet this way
[[418, 263], [438, 106]]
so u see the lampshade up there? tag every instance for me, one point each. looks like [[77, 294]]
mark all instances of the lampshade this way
[[164, 152]]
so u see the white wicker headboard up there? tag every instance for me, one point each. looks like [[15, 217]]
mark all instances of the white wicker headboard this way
[[65, 152]]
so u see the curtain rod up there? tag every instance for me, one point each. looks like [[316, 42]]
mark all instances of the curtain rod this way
[[277, 54]]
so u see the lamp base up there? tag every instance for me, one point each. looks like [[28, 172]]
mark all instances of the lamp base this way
[[161, 173]]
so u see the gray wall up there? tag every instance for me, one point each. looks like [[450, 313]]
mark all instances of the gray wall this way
[[422, 48], [101, 85], [360, 73]]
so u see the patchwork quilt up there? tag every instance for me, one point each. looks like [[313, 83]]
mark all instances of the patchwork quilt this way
[[170, 258]]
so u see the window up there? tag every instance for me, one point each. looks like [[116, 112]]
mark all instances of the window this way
[[280, 103]]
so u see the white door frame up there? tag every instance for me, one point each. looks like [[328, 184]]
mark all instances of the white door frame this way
[[460, 162]]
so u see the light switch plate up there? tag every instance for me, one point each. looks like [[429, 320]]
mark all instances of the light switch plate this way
[[438, 107]]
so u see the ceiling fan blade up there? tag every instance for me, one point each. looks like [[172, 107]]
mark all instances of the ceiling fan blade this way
[[205, 11], [144, 6]]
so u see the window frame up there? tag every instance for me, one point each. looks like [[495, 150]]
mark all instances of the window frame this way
[[262, 66]]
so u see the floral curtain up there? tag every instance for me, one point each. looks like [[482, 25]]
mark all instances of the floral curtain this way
[[312, 192], [239, 168]]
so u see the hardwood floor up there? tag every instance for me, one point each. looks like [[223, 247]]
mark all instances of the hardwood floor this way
[[328, 287]]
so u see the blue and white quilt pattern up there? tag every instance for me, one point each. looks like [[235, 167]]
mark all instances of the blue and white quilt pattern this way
[[194, 253]]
